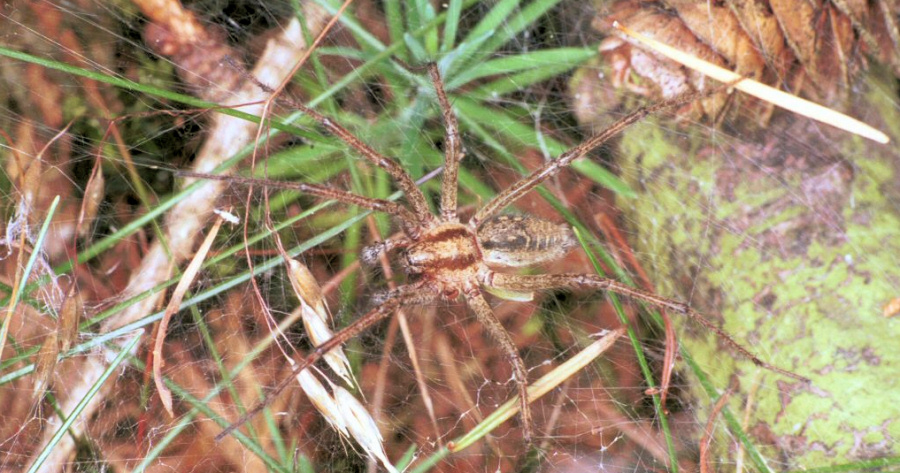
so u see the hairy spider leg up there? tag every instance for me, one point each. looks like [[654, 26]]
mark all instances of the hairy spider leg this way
[[413, 194], [489, 320], [516, 282], [551, 168], [406, 218], [473, 296], [452, 150], [410, 294]]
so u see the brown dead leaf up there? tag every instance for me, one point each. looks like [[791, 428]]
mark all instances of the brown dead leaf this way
[[45, 365], [720, 29], [69, 317], [93, 196], [810, 49]]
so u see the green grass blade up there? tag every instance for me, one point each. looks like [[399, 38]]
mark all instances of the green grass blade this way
[[513, 83], [312, 163], [416, 49], [36, 252], [451, 25], [493, 20], [512, 130], [602, 176], [520, 62], [448, 64], [393, 13], [511, 27], [424, 14], [639, 353], [320, 73], [365, 38]]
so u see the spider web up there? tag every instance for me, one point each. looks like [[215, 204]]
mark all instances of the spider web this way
[[687, 226]]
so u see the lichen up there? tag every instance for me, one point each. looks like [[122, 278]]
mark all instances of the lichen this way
[[790, 242]]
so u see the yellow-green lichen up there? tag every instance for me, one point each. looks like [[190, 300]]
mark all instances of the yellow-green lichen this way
[[797, 270]]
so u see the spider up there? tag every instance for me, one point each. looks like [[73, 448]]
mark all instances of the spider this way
[[449, 259]]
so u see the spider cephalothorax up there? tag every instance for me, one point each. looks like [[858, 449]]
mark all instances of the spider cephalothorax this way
[[448, 259], [454, 256], [447, 254]]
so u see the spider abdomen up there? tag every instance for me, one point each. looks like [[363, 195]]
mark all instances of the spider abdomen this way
[[523, 240]]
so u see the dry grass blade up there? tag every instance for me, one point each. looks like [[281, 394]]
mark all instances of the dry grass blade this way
[[760, 90], [539, 388], [174, 303], [710, 425], [316, 317]]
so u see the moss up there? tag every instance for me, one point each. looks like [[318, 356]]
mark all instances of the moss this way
[[791, 244]]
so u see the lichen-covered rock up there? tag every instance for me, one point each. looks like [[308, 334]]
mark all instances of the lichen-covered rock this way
[[789, 238]]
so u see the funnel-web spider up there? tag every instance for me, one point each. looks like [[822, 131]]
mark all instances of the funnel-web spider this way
[[448, 259]]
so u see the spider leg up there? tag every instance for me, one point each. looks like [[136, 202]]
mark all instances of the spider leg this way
[[369, 254], [520, 188], [403, 295], [407, 218], [414, 195], [452, 150], [578, 281], [486, 317]]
